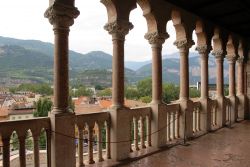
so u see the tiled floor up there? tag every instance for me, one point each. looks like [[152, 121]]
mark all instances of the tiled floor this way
[[224, 148]]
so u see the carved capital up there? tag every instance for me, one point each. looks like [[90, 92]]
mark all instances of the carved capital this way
[[120, 28], [204, 49], [231, 58], [156, 38], [240, 59], [61, 15], [183, 44], [218, 54]]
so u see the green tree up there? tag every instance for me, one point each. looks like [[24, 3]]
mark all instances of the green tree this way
[[144, 87], [131, 92], [105, 92], [170, 92], [193, 92], [83, 91], [146, 99], [43, 106]]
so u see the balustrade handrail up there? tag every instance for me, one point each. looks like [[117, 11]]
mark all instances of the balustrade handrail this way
[[22, 126]]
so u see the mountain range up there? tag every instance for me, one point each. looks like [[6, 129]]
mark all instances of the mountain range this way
[[32, 61]]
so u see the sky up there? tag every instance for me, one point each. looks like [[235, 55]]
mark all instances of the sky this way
[[25, 20]]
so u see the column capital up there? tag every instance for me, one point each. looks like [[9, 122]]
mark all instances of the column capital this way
[[240, 59], [203, 49], [218, 54], [119, 28], [61, 15], [231, 58], [183, 44], [156, 38]]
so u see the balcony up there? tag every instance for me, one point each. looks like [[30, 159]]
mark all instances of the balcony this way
[[136, 122]]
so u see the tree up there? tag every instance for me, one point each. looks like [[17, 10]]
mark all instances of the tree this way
[[170, 92], [83, 91], [131, 92], [146, 99], [105, 92], [194, 93], [144, 87], [43, 106]]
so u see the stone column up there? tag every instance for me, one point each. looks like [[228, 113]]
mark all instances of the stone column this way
[[232, 94], [61, 16], [159, 116], [240, 90], [205, 110], [221, 109], [118, 30], [186, 118], [119, 118]]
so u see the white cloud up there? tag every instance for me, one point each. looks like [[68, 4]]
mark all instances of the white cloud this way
[[25, 20]]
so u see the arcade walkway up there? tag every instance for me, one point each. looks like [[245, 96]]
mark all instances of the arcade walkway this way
[[224, 148]]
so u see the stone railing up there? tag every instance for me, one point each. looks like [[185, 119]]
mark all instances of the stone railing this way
[[229, 111], [214, 114], [24, 129], [97, 128], [173, 121], [140, 128], [196, 117]]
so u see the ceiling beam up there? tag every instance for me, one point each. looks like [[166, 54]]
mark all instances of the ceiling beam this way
[[227, 14]]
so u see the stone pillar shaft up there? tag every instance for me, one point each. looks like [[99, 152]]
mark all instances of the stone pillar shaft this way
[[184, 74], [118, 71], [231, 78], [220, 77], [61, 81], [204, 72], [240, 77], [156, 74]]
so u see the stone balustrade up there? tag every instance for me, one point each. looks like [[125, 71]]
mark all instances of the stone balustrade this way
[[93, 132], [196, 117], [213, 109], [101, 120], [23, 129], [173, 122]]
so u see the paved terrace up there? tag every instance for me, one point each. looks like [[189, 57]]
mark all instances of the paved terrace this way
[[223, 148]]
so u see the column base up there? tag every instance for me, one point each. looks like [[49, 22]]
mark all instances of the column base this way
[[234, 108], [186, 118], [120, 132], [221, 111], [242, 114], [205, 121], [62, 147], [159, 124]]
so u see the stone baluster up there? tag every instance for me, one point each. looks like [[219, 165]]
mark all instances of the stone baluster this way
[[6, 151], [99, 143], [22, 150], [149, 131], [136, 133], [90, 144], [36, 150], [108, 154], [80, 146], [48, 147], [61, 15], [142, 128]]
